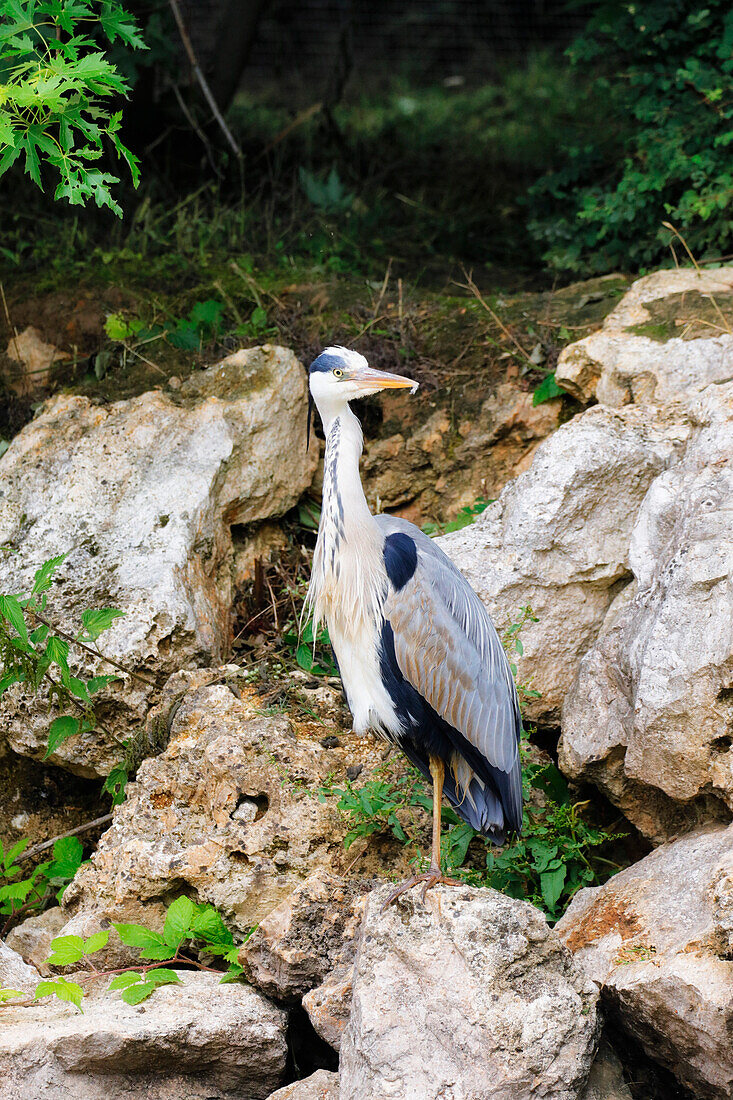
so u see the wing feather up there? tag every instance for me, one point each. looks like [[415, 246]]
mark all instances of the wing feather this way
[[448, 649]]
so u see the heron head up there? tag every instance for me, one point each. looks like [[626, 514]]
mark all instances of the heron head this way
[[340, 375]]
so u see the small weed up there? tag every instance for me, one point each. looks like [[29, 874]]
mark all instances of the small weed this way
[[313, 654], [21, 897], [465, 517], [190, 929], [639, 952]]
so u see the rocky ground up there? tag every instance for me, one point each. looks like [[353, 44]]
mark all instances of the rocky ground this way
[[613, 521]]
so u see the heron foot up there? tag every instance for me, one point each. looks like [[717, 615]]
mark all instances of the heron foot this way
[[432, 877]]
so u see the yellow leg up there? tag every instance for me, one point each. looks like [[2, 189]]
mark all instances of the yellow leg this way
[[437, 772], [433, 875]]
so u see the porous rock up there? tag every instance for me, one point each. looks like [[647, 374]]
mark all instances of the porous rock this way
[[650, 715], [658, 937], [140, 495], [469, 995], [558, 537], [228, 811], [321, 1085], [655, 346], [307, 936], [201, 1040]]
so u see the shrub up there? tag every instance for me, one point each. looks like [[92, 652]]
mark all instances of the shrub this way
[[662, 152]]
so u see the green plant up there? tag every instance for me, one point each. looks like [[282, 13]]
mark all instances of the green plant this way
[[546, 390], [466, 516], [328, 194], [313, 654], [55, 84], [31, 647], [190, 929], [20, 897], [664, 68]]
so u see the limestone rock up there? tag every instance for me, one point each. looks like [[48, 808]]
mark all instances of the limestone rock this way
[[658, 936], [470, 995], [140, 494], [229, 811], [663, 342], [15, 973], [329, 1005], [32, 938], [650, 715], [321, 1085], [201, 1040], [558, 537], [309, 934]]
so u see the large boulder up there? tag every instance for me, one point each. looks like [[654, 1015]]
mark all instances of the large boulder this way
[[469, 995], [666, 340], [649, 718], [15, 973], [228, 812], [201, 1040], [558, 537], [140, 495], [658, 937]]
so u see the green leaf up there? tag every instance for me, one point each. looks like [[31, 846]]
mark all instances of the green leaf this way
[[60, 730], [44, 575], [96, 683], [63, 989], [57, 651], [96, 942], [178, 921], [122, 981], [66, 950], [68, 852], [163, 976], [10, 994], [304, 657], [11, 610], [152, 944], [115, 784], [546, 390], [117, 328], [135, 994], [208, 925], [97, 621], [551, 884]]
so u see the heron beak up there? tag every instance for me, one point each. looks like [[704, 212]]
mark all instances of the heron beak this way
[[382, 380]]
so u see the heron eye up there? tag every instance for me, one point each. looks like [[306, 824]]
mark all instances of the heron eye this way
[[338, 373]]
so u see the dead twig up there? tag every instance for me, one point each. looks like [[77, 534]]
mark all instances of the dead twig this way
[[36, 850], [470, 285], [188, 47], [11, 326]]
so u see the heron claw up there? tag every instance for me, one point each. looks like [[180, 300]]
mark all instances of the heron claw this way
[[432, 877]]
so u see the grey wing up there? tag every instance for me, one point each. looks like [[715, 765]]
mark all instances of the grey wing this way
[[448, 649]]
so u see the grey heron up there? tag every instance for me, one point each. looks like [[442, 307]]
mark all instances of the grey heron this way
[[420, 660]]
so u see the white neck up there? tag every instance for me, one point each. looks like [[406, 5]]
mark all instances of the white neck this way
[[347, 585]]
